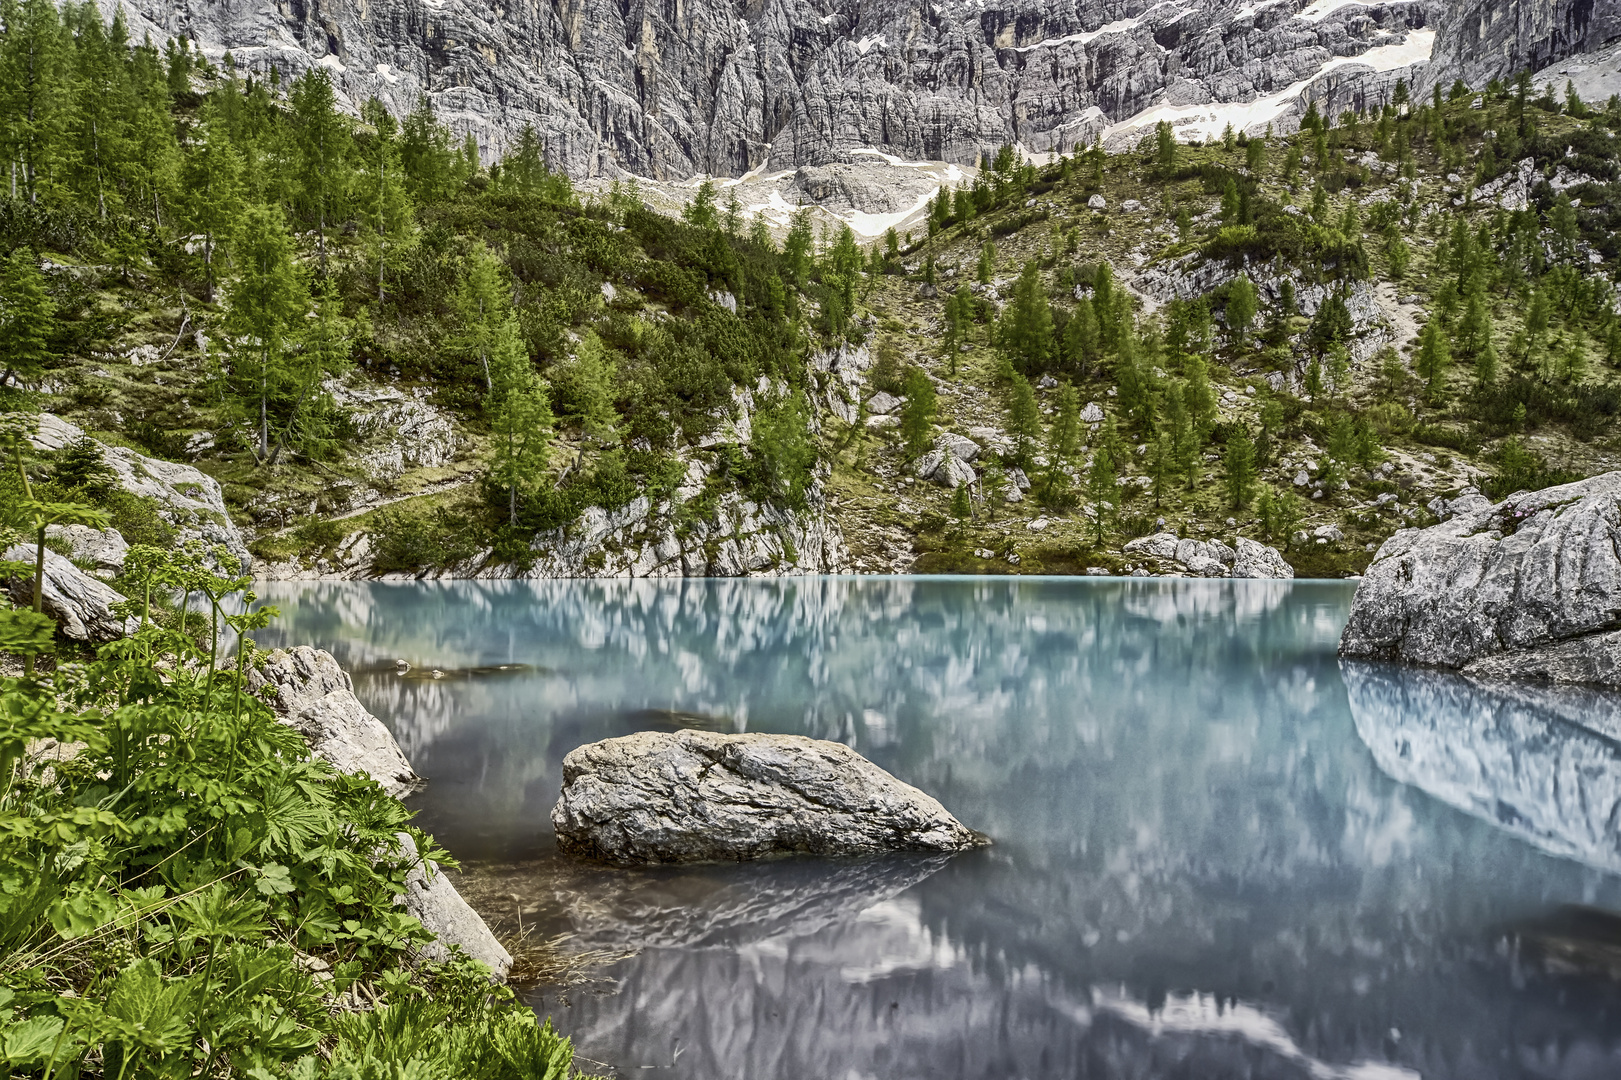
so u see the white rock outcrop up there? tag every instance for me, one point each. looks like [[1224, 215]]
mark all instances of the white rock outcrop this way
[[1529, 587], [190, 500], [81, 605]]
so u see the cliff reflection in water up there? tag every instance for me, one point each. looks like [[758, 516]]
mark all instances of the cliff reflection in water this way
[[1200, 870], [1525, 758]]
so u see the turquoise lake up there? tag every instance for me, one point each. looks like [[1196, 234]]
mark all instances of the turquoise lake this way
[[1218, 851]]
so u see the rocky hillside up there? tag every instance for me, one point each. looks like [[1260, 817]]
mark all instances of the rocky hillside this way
[[726, 88], [1224, 356]]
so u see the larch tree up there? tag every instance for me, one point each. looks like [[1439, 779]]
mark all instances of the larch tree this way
[[1242, 305], [483, 303], [323, 145], [1023, 417], [266, 302], [213, 189], [1238, 466], [918, 413], [34, 92], [520, 413], [385, 203], [1027, 325], [26, 311]]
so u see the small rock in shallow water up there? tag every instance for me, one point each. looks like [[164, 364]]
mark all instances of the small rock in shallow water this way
[[702, 796]]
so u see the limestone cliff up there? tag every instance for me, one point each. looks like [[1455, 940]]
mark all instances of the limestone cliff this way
[[670, 90]]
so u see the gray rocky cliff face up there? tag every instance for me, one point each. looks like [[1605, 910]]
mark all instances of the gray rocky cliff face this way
[[702, 796], [1526, 588], [1490, 38], [667, 91]]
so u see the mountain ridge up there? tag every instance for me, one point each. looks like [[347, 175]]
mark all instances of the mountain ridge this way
[[669, 91]]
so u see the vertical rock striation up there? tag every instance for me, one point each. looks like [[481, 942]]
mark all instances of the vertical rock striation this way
[[667, 91]]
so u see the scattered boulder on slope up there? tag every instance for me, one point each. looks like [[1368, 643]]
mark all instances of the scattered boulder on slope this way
[[317, 697], [702, 796], [190, 500], [1212, 558], [105, 548], [1526, 588], [81, 605]]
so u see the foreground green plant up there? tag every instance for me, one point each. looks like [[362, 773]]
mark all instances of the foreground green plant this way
[[185, 892]]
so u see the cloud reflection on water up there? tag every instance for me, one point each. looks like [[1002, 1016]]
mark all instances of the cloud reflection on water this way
[[1184, 814]]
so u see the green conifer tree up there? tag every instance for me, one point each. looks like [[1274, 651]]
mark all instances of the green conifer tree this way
[[483, 302], [918, 413], [1023, 417], [27, 315], [382, 195], [213, 189], [520, 413], [322, 141], [266, 302]]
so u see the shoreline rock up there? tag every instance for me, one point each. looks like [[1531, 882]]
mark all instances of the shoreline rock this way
[[1526, 588], [316, 697], [701, 796], [1211, 558]]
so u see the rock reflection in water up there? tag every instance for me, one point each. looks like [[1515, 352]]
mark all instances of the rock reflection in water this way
[[1511, 755], [700, 907], [1199, 870]]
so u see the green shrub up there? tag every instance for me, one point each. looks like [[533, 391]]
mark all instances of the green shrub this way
[[170, 891]]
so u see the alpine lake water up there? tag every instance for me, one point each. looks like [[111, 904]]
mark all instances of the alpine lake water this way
[[1219, 851]]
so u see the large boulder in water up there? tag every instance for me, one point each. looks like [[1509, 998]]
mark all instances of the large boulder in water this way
[[316, 696], [701, 796], [1529, 587]]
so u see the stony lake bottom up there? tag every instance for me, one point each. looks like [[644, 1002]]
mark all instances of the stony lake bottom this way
[[1219, 851]]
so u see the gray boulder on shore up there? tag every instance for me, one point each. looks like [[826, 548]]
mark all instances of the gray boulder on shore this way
[[81, 605], [1526, 588], [314, 695], [701, 796]]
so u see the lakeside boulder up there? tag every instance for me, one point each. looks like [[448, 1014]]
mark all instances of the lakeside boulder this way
[[316, 696], [702, 796], [1212, 558], [1525, 588]]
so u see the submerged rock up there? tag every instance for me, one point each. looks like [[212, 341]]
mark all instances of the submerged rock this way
[[315, 696], [700, 796], [1526, 588], [81, 605]]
